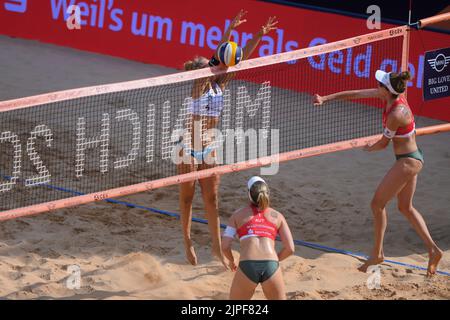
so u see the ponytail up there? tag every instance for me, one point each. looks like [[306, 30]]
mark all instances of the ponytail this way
[[263, 200], [259, 195], [405, 75], [399, 81]]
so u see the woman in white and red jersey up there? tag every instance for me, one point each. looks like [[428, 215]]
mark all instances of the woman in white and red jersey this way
[[401, 179], [257, 226], [206, 109]]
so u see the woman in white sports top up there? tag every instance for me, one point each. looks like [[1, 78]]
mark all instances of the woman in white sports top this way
[[206, 107]]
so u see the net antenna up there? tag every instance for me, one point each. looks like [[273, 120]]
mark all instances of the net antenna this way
[[410, 11]]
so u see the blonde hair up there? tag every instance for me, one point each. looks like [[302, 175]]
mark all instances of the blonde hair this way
[[259, 193], [197, 63]]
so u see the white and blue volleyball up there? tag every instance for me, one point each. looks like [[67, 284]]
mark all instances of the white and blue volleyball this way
[[229, 53]]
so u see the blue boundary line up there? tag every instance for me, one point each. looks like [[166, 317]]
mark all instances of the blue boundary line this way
[[223, 226]]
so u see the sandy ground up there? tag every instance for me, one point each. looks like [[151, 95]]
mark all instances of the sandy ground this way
[[128, 253]]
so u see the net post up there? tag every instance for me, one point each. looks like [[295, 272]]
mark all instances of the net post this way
[[434, 19]]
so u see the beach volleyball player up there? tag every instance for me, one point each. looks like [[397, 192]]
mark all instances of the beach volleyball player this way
[[401, 179], [206, 108], [257, 226]]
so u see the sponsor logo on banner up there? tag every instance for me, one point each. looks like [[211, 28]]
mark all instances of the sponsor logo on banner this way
[[357, 40], [375, 36], [394, 32], [436, 76], [440, 62]]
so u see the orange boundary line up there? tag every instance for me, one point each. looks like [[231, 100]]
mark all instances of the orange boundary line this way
[[201, 73], [144, 186]]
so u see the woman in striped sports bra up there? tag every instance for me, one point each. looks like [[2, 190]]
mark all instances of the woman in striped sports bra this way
[[205, 108], [257, 226], [401, 179]]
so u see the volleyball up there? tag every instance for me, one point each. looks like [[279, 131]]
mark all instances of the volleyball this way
[[229, 53]]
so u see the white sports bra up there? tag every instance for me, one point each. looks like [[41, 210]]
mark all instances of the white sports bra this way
[[209, 104]]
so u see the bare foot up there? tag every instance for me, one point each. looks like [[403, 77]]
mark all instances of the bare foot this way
[[435, 257], [216, 251], [371, 262], [190, 252]]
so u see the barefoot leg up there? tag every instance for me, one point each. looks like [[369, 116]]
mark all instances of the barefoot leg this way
[[435, 258], [372, 261], [190, 252], [405, 205], [393, 182], [210, 196], [186, 196]]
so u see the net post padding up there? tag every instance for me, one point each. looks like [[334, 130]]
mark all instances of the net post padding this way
[[435, 19], [405, 54], [202, 73], [146, 186]]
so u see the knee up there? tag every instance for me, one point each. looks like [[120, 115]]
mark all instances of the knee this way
[[212, 198], [407, 209], [186, 200], [377, 205]]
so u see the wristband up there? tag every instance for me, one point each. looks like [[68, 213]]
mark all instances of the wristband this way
[[388, 133]]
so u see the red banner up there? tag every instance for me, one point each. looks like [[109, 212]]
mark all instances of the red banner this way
[[172, 31]]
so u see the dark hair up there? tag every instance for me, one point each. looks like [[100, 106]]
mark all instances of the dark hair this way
[[399, 81], [259, 193]]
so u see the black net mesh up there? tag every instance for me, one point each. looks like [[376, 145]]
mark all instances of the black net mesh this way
[[90, 144]]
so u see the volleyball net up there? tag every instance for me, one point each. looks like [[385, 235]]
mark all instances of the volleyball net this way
[[114, 140]]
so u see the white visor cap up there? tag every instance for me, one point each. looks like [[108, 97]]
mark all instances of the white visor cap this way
[[253, 180], [383, 77]]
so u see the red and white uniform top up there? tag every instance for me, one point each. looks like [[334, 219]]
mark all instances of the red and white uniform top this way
[[258, 226], [405, 131]]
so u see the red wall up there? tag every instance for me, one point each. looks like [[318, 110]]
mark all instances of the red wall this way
[[110, 32]]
